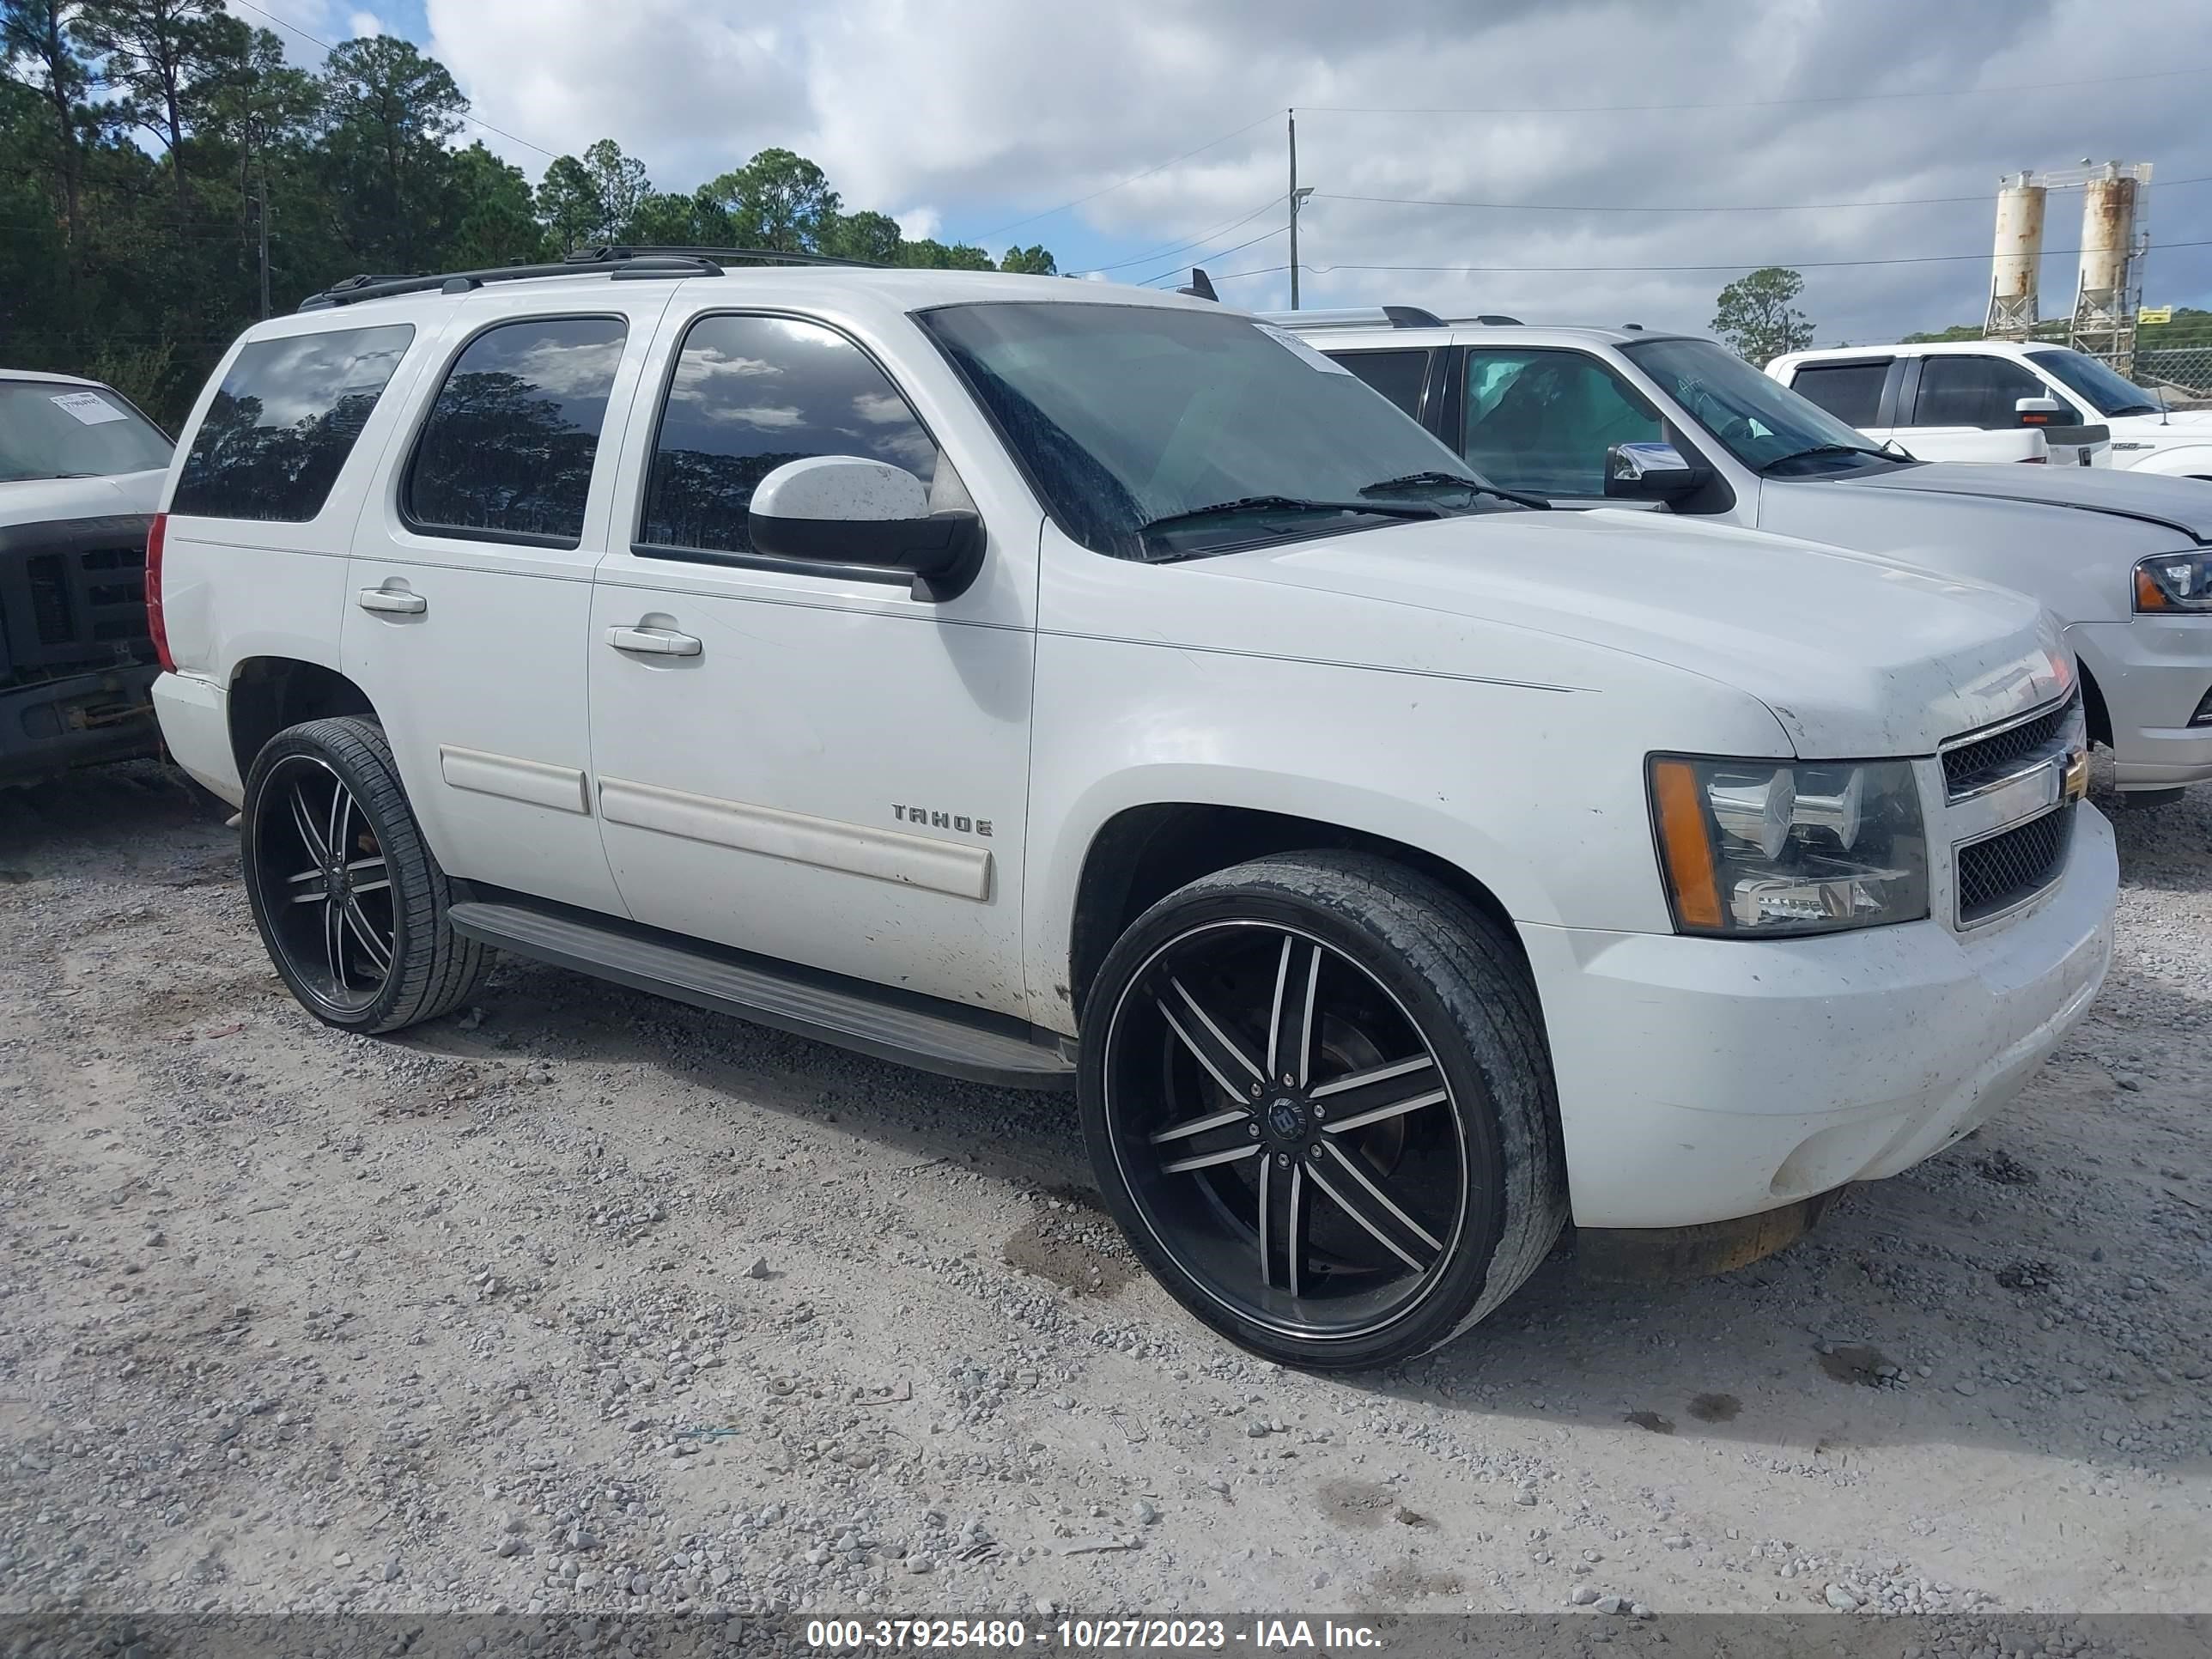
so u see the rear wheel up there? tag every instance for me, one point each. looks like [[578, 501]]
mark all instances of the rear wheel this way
[[351, 902], [1317, 1096]]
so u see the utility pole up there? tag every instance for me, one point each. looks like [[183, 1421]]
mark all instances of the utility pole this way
[[264, 172], [1292, 116]]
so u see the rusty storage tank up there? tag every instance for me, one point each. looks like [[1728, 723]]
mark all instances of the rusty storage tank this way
[[2018, 253], [2108, 229]]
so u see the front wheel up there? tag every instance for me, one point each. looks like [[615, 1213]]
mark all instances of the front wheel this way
[[1316, 1093], [349, 900]]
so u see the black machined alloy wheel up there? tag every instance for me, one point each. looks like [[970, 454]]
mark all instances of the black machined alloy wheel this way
[[324, 883], [351, 902], [1319, 1102]]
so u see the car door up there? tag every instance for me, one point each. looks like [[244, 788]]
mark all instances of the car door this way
[[469, 598], [1851, 390], [1967, 392], [793, 759], [1539, 419]]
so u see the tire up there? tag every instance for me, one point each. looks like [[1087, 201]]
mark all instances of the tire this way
[[362, 941], [1405, 1180]]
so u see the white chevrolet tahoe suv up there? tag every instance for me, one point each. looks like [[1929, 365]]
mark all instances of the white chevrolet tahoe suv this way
[[1049, 684], [1942, 387], [1631, 418]]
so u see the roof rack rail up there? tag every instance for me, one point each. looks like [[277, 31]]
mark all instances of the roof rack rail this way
[[1489, 320], [617, 260], [1358, 317]]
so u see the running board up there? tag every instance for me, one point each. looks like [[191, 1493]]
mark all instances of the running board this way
[[904, 1030]]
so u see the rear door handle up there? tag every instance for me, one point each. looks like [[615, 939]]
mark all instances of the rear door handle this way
[[391, 603], [654, 642]]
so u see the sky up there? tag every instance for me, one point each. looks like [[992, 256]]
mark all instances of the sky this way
[[1605, 143]]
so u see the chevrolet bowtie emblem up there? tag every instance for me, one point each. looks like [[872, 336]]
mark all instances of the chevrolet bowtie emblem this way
[[2077, 785]]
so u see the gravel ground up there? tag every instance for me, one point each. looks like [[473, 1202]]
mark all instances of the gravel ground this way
[[582, 1300]]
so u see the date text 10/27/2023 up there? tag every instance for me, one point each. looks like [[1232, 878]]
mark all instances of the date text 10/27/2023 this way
[[1263, 1635]]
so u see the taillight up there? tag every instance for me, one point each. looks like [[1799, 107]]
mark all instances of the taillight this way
[[157, 624]]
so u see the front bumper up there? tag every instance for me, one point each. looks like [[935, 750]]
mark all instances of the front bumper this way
[[51, 726], [2153, 672], [1702, 1079]]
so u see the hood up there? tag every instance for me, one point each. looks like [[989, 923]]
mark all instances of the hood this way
[[46, 501], [1857, 656], [2194, 422], [2179, 504]]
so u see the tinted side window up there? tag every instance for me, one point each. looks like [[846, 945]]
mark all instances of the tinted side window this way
[[283, 422], [1963, 391], [1396, 374], [506, 452], [1849, 391], [750, 393], [1541, 420]]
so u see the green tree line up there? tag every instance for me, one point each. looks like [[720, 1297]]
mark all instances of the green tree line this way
[[166, 176]]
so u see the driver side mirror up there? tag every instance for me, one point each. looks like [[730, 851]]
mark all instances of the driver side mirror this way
[[2042, 411], [867, 519], [1652, 472]]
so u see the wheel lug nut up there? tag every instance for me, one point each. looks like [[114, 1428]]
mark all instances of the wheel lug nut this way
[[1255, 1091], [1314, 1151], [1320, 1112], [1282, 1160], [1286, 1080], [1253, 1130]]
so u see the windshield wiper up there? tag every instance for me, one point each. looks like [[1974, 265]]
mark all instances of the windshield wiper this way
[[1290, 504], [1827, 449], [1415, 480]]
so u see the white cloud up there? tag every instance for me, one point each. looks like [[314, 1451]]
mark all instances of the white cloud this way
[[364, 25], [919, 224], [994, 110]]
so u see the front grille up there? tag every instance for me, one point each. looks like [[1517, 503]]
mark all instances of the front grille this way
[[1978, 762], [52, 616], [73, 595], [1998, 873]]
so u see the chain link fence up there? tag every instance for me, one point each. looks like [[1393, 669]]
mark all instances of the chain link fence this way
[[2182, 372]]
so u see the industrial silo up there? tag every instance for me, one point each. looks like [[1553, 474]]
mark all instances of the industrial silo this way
[[2018, 254]]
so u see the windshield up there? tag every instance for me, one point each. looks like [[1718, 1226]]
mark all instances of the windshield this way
[[1125, 417], [1760, 421], [2107, 391], [52, 430]]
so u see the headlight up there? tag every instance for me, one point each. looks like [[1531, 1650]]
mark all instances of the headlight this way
[[1758, 848], [2175, 582]]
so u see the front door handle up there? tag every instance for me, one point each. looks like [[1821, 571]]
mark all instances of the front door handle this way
[[393, 603], [654, 642]]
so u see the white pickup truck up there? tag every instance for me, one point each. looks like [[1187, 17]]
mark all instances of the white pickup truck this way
[[1918, 393], [80, 473], [1605, 417]]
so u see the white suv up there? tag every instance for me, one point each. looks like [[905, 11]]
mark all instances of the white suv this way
[[1050, 684]]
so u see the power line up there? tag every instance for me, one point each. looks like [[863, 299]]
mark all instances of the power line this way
[[1740, 264], [1778, 207], [472, 120], [1218, 253], [1746, 103], [985, 235], [1178, 247]]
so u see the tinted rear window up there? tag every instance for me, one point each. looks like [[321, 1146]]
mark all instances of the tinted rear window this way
[[1849, 391], [1396, 374], [283, 422], [507, 454]]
